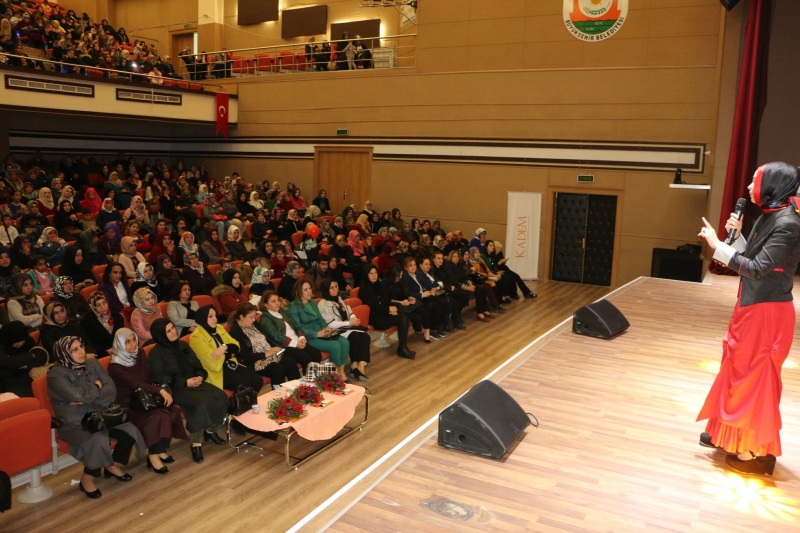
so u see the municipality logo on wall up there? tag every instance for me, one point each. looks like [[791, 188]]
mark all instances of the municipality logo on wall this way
[[594, 20]]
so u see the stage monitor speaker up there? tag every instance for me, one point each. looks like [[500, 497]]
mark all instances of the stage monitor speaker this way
[[600, 319], [729, 4], [485, 421]]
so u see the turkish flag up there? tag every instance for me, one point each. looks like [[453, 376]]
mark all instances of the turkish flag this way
[[222, 115]]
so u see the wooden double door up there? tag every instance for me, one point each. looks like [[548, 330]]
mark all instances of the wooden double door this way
[[345, 172]]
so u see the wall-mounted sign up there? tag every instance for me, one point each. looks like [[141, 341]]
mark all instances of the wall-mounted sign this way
[[585, 178], [594, 20]]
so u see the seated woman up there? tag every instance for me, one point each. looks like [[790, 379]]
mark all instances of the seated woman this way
[[22, 252], [116, 289], [230, 294], [453, 274], [67, 221], [427, 296], [145, 314], [305, 312], [146, 277], [51, 246], [386, 260], [167, 277], [261, 228], [181, 309], [186, 246], [42, 277], [77, 268], [279, 262], [88, 241], [130, 370], [102, 324], [321, 201], [255, 350], [47, 205], [494, 259], [163, 245], [108, 214], [213, 247], [217, 351], [199, 277], [56, 324], [138, 212], [419, 316], [25, 305], [290, 276], [383, 314], [502, 285], [91, 201], [65, 293], [281, 330], [18, 355], [338, 315], [129, 258], [7, 272], [261, 281], [451, 310], [234, 247], [109, 242], [76, 386]]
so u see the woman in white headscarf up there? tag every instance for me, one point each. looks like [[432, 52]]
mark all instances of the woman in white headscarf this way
[[47, 205], [254, 201]]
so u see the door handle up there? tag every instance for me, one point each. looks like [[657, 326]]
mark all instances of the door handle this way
[[344, 195]]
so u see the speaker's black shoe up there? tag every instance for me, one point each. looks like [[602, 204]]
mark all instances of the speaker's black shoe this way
[[530, 295], [405, 353], [168, 459], [93, 495], [162, 470], [197, 454], [758, 466], [213, 437], [358, 374], [123, 477], [705, 440]]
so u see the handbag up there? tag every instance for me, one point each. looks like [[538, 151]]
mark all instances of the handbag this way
[[145, 400], [242, 400], [37, 371], [408, 309], [108, 418]]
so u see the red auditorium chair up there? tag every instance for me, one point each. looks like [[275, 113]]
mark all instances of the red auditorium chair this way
[[297, 238], [265, 63], [276, 282], [26, 444], [87, 291], [196, 86], [287, 61], [203, 299], [183, 85], [354, 293], [301, 62], [97, 271], [353, 302], [214, 269], [162, 306], [93, 72]]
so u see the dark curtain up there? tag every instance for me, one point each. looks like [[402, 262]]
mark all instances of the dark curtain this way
[[751, 98]]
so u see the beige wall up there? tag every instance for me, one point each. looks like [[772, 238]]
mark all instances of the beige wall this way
[[153, 20]]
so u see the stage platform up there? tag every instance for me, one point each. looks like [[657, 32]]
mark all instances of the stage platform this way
[[617, 447]]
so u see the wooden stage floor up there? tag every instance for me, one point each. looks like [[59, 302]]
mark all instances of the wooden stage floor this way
[[617, 447]]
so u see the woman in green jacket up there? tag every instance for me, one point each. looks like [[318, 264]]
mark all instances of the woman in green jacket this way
[[280, 329], [306, 314]]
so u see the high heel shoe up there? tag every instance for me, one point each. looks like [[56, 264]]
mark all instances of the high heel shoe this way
[[167, 460], [757, 466], [197, 454], [93, 495], [162, 470], [123, 477], [213, 437]]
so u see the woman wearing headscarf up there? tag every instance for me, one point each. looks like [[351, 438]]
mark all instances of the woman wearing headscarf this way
[[386, 259], [166, 276], [108, 213], [174, 363], [52, 246], [502, 286], [78, 385], [397, 219], [47, 205], [214, 248], [187, 245], [322, 202], [129, 258], [18, 355], [202, 194], [244, 206], [119, 189], [68, 195], [231, 292], [138, 212], [234, 247], [65, 293], [101, 324], [116, 289], [130, 370], [92, 201], [163, 245], [290, 276], [479, 239], [311, 216], [67, 221], [742, 406], [25, 305], [146, 277], [455, 274], [383, 313], [56, 324], [145, 314], [368, 211], [217, 351], [77, 268], [109, 242], [92, 255], [489, 256], [261, 280], [306, 314], [254, 202], [200, 278], [326, 233], [255, 350], [7, 272]]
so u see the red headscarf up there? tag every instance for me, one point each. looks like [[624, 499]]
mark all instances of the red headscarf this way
[[93, 205], [160, 249], [386, 260]]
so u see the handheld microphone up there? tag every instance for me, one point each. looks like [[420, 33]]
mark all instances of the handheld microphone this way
[[741, 203]]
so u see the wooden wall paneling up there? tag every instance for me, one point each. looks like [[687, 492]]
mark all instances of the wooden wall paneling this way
[[257, 11], [364, 28], [304, 21]]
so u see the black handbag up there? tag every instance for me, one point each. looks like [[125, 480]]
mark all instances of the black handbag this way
[[242, 400], [108, 418], [146, 400], [408, 309]]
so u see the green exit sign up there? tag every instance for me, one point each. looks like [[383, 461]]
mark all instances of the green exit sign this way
[[585, 178], [341, 132]]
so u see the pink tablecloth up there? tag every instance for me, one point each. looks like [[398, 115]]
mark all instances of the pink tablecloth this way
[[319, 424]]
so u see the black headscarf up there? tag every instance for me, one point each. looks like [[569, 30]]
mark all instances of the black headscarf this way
[[73, 270], [6, 271], [365, 278], [775, 186], [16, 287], [12, 333], [158, 329], [227, 279], [201, 318]]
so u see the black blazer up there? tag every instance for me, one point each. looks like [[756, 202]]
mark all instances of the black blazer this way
[[770, 258], [101, 338]]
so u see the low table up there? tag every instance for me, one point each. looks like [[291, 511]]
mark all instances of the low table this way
[[321, 423]]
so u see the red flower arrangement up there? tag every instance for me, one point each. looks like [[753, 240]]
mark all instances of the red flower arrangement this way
[[285, 409], [330, 383], [306, 394]]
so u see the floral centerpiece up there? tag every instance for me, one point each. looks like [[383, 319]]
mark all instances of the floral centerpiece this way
[[306, 394], [330, 383], [285, 409]]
